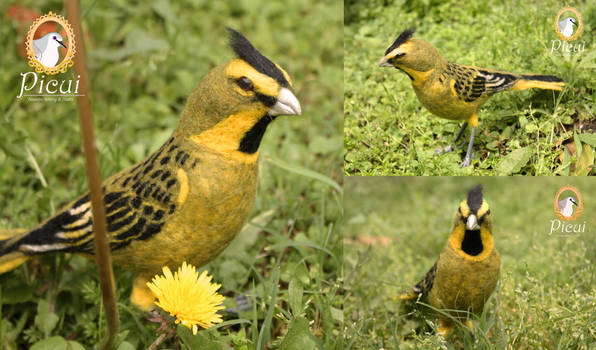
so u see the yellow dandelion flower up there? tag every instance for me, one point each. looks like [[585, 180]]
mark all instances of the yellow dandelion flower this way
[[191, 298]]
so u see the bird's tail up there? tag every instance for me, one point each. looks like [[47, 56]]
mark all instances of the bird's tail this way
[[529, 81], [9, 256]]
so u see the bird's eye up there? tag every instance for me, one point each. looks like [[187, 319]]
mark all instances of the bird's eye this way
[[399, 55], [54, 37], [245, 84]]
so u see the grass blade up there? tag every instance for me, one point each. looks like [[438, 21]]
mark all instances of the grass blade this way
[[304, 172]]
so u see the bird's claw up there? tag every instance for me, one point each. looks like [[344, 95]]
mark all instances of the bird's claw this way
[[447, 149], [467, 160]]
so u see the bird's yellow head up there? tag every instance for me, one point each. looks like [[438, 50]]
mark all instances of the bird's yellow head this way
[[412, 56], [473, 225], [232, 106]]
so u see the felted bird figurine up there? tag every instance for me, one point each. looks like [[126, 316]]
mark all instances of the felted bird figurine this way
[[455, 91], [467, 270], [188, 200]]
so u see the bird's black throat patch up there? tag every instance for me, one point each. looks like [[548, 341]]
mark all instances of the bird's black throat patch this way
[[245, 51], [252, 139], [472, 243]]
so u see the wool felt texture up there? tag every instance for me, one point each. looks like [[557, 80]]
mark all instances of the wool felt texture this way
[[186, 201], [461, 281], [453, 91]]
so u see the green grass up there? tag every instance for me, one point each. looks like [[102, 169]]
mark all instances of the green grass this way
[[545, 296], [388, 132], [144, 60]]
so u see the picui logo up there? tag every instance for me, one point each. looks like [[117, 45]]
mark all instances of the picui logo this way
[[568, 207], [568, 26], [43, 53], [49, 54]]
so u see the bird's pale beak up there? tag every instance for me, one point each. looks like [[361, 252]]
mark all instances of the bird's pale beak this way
[[384, 63], [61, 43], [472, 223], [287, 104]]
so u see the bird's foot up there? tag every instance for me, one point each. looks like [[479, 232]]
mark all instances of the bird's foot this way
[[441, 150], [467, 160], [470, 328], [448, 149]]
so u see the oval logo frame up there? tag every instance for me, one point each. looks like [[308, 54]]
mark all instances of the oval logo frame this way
[[580, 27], [67, 62], [580, 205]]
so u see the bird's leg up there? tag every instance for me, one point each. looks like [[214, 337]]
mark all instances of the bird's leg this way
[[469, 152], [473, 121], [141, 294], [453, 147], [460, 132]]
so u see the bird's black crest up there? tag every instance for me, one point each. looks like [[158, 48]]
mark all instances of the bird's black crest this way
[[475, 198], [245, 51], [402, 38]]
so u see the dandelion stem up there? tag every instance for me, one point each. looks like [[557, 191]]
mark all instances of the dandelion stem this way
[[158, 341]]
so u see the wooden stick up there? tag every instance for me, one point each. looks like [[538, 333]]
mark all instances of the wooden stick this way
[[101, 241]]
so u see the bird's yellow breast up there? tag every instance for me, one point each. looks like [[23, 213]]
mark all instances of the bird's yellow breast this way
[[464, 284], [440, 99]]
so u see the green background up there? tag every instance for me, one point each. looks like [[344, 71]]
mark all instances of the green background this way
[[545, 297], [388, 132], [144, 59]]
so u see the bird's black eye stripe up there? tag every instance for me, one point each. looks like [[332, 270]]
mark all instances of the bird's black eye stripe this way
[[395, 58], [266, 100], [245, 84], [481, 219]]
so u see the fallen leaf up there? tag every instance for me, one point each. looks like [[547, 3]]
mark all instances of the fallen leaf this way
[[586, 161], [514, 161]]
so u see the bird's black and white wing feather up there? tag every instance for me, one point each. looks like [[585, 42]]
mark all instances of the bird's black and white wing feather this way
[[422, 288], [137, 201], [472, 83]]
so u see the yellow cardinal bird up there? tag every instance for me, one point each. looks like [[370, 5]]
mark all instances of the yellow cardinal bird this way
[[455, 91], [467, 270], [188, 200]]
